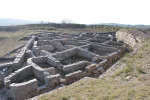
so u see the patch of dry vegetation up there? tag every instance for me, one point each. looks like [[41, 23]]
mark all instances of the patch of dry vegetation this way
[[137, 63], [96, 89], [11, 40]]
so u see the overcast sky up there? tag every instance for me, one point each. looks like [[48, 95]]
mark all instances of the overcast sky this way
[[79, 11]]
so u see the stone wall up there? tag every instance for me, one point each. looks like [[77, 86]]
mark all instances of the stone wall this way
[[72, 77], [18, 89], [38, 71], [86, 54], [131, 37], [65, 54], [18, 76], [25, 90], [75, 66]]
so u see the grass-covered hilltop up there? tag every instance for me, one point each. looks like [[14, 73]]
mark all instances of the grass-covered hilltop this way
[[127, 79]]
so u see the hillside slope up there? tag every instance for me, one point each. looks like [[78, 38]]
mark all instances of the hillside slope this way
[[130, 81]]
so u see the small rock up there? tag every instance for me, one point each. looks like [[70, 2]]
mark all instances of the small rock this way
[[128, 77], [62, 85]]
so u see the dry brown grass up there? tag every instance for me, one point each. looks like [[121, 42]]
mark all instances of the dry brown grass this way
[[96, 89], [12, 40]]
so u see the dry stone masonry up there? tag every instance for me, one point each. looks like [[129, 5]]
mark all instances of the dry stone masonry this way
[[51, 60], [131, 37]]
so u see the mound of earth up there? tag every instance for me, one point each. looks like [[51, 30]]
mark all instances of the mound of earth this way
[[132, 37]]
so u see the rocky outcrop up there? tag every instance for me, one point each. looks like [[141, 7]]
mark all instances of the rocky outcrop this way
[[132, 37]]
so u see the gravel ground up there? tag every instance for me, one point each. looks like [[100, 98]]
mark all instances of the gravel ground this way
[[3, 94]]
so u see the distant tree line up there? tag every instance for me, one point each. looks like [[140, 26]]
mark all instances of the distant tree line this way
[[105, 26], [111, 28], [58, 25], [9, 28]]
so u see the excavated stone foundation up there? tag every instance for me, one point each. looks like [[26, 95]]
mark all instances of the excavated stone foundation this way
[[51, 60]]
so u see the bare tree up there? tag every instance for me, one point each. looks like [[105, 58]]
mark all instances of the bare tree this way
[[42, 22], [67, 21]]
